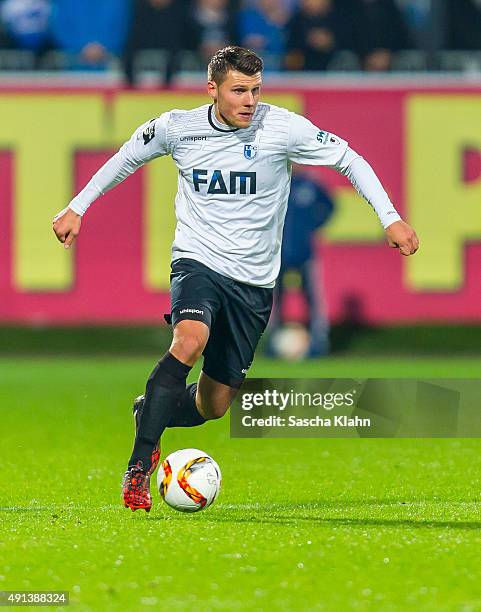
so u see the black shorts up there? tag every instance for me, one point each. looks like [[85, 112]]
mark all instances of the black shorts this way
[[236, 314]]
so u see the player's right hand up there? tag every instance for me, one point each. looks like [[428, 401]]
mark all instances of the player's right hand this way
[[66, 225]]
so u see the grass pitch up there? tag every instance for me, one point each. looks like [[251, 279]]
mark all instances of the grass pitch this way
[[350, 524]]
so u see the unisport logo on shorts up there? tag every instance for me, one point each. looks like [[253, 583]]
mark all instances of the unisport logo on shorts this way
[[244, 370], [191, 310]]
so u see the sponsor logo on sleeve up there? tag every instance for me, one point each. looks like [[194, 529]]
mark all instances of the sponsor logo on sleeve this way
[[327, 138], [149, 132]]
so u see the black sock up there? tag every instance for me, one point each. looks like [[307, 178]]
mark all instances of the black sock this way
[[163, 390], [186, 413]]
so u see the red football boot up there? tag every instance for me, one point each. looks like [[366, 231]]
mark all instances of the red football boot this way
[[136, 483], [136, 489]]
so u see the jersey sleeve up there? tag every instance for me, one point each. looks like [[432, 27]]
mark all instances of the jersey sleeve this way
[[146, 143], [367, 184], [310, 145]]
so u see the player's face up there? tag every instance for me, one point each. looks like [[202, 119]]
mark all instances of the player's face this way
[[236, 98]]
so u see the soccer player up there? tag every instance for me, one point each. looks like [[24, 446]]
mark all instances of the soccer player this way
[[234, 160]]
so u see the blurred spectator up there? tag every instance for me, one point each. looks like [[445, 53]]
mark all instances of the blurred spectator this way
[[159, 25], [261, 28], [216, 26], [91, 30], [383, 32], [309, 208], [25, 25], [463, 21], [316, 31], [417, 16]]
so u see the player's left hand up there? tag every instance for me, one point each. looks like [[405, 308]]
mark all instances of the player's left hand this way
[[402, 236]]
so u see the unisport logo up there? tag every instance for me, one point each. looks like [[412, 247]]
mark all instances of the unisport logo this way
[[193, 138], [191, 310]]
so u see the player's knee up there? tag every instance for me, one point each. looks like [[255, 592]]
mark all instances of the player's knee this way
[[188, 346], [213, 411]]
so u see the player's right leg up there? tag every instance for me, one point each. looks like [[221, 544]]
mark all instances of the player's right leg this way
[[195, 302], [155, 410]]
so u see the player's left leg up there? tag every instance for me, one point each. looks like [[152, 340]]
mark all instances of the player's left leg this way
[[231, 346], [229, 352], [202, 401], [213, 397]]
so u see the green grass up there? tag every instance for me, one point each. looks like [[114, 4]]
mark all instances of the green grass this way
[[305, 524], [427, 340]]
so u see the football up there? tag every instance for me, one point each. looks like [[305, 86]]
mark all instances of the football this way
[[189, 480], [291, 342]]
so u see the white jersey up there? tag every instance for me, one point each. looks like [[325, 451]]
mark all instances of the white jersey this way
[[233, 184]]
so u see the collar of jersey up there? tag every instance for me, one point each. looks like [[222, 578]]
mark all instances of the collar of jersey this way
[[215, 123]]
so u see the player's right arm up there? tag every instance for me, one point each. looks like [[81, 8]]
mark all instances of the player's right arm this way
[[146, 143]]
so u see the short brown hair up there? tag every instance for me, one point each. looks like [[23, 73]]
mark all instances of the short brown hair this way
[[233, 58]]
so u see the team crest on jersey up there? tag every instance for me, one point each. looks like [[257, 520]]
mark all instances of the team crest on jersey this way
[[250, 151]]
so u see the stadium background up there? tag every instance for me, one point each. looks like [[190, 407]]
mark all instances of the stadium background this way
[[418, 129], [80, 330]]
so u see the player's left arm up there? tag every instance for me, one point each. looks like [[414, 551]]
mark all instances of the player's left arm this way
[[310, 145], [400, 235]]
